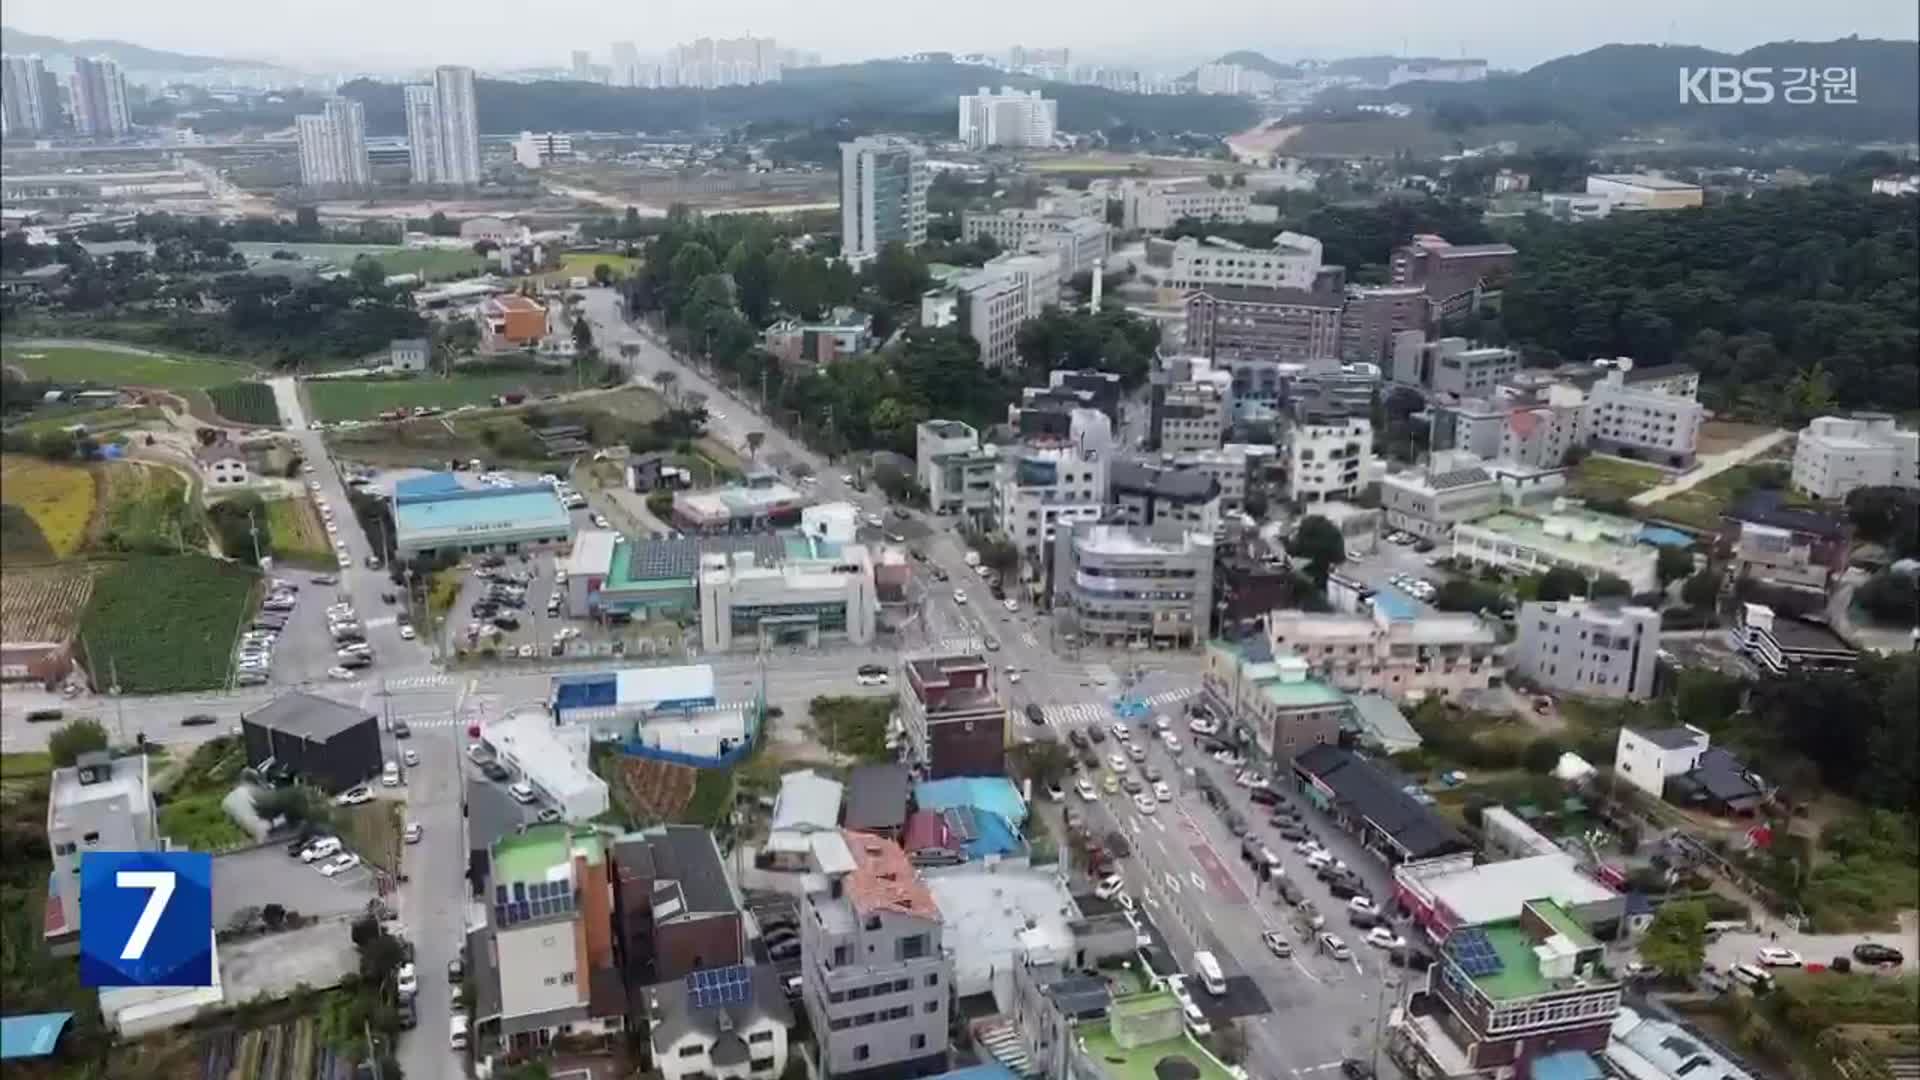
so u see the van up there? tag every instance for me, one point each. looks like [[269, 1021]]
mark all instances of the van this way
[[522, 792], [390, 775], [457, 1032], [1752, 978], [1210, 974]]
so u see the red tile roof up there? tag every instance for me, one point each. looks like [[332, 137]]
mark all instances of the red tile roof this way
[[883, 879]]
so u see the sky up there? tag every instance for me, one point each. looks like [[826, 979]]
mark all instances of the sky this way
[[371, 35]]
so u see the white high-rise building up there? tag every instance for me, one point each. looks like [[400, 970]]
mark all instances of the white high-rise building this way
[[99, 98], [625, 60], [423, 135], [24, 107], [456, 127], [883, 195], [1009, 118], [333, 146]]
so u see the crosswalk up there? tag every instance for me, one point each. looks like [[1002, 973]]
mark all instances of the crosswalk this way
[[416, 682], [1102, 712]]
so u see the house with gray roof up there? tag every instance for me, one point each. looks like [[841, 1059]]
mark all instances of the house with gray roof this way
[[738, 1030]]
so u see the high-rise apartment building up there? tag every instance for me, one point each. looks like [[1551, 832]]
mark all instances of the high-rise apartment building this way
[[883, 195], [333, 146], [24, 106], [1008, 118], [423, 134], [99, 98], [582, 65], [456, 123], [625, 60]]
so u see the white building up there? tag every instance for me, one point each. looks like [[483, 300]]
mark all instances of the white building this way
[[409, 354], [333, 146], [99, 91], [1587, 649], [1648, 759], [1455, 366], [1008, 118], [456, 128], [224, 466], [1835, 455], [1897, 185], [1232, 79], [1327, 457], [1125, 585], [533, 150], [811, 598], [883, 195], [1079, 243], [1636, 421], [954, 469], [994, 301], [24, 107], [1233, 466], [1450, 71], [551, 758], [1293, 262], [1637, 191], [727, 1037], [1039, 489], [1157, 205], [100, 803], [1591, 545], [423, 133], [1429, 502]]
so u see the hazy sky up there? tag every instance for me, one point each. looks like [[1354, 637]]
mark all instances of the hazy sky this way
[[371, 34]]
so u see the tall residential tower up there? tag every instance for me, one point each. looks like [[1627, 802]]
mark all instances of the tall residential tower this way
[[99, 98], [333, 146], [883, 195], [24, 107], [457, 127]]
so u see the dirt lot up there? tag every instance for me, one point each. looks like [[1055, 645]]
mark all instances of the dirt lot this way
[[1719, 436]]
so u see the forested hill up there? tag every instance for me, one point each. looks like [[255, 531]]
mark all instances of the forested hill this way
[[1619, 88], [1767, 297], [880, 94]]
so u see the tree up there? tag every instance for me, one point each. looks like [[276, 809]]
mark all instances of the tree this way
[[666, 379], [1319, 543], [602, 274], [1607, 585], [1676, 942], [76, 737], [998, 554], [298, 803], [583, 337], [1044, 761], [1890, 599], [660, 504], [1560, 583], [898, 275], [240, 525], [1702, 590], [1888, 516], [1674, 564], [755, 440]]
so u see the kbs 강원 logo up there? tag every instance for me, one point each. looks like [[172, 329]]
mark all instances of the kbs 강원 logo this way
[[1764, 85], [146, 918]]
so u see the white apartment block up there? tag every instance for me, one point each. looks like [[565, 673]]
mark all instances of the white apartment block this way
[[1647, 425], [956, 471], [1444, 654], [533, 150], [1327, 458], [1232, 79], [1039, 490], [990, 306], [1008, 118], [99, 92], [883, 195], [423, 133], [456, 123], [24, 105], [1080, 243], [333, 146], [1293, 262], [1587, 649], [1648, 759], [1156, 205], [1836, 455], [1429, 502]]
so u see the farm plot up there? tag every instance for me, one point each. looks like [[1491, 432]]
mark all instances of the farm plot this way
[[57, 497], [652, 790], [114, 367], [297, 535], [44, 603], [165, 623], [246, 403], [366, 399], [144, 508]]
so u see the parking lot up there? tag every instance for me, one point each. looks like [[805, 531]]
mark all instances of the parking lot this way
[[268, 875]]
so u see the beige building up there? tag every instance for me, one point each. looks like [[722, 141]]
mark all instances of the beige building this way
[[1156, 205], [1443, 654], [1638, 191], [1429, 502]]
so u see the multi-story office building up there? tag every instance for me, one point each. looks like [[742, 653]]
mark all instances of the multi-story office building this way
[[1374, 314], [883, 195], [875, 975], [1429, 502], [333, 146], [456, 122], [1069, 389], [1592, 650], [1786, 548], [1191, 406], [1008, 118], [1126, 585], [1143, 495], [956, 471], [1448, 270], [1039, 489], [1327, 456], [1274, 698], [624, 59], [99, 803], [829, 593], [1633, 422], [674, 908], [1781, 645], [954, 718], [1837, 455], [1229, 322], [23, 100], [1293, 262], [423, 132], [990, 304], [99, 98], [1444, 655], [1157, 205], [1079, 243]]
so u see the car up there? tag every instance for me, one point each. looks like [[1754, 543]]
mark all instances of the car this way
[[406, 981], [342, 674], [871, 679], [1277, 945], [1085, 788], [1011, 604], [1145, 802], [1383, 937], [1137, 752], [456, 969], [1878, 955], [1171, 741], [992, 644], [845, 478], [324, 579], [410, 756], [1056, 793], [522, 793], [1236, 825], [1162, 792], [325, 847], [1109, 888], [413, 832], [546, 815], [340, 864], [1110, 783], [1097, 734], [354, 796], [959, 596], [199, 720], [1363, 903], [1035, 715], [600, 522], [1132, 785], [1775, 956], [495, 771], [1355, 1069], [1118, 762], [1334, 947]]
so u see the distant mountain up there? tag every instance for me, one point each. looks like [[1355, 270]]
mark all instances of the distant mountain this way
[[1247, 58], [1616, 89], [129, 56]]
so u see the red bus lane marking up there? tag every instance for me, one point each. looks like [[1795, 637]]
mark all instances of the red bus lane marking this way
[[1217, 874]]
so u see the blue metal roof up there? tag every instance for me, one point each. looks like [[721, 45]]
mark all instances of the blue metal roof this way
[[31, 1036], [1660, 536], [978, 1072], [993, 794], [1566, 1065], [429, 486]]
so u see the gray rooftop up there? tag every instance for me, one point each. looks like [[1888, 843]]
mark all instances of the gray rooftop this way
[[659, 558], [1674, 738], [685, 854], [877, 797], [1133, 477], [675, 1016], [307, 715]]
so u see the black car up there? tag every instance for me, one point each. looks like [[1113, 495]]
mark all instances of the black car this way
[[1117, 844], [1344, 889], [1034, 715], [506, 622], [1078, 738], [199, 720], [1872, 952], [484, 610], [871, 669], [389, 598], [1236, 825], [401, 730], [409, 1017], [1264, 797], [1097, 734], [495, 771], [1355, 1069]]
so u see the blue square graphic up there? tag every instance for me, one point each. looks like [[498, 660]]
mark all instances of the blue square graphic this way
[[146, 918]]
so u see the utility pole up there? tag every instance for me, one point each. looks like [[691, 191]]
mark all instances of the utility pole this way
[[119, 705], [373, 1056], [253, 528]]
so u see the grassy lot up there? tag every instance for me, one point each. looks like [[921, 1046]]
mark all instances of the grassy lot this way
[[25, 764], [373, 831], [167, 622], [432, 263], [365, 399], [298, 536], [96, 421], [429, 263], [167, 371], [246, 403], [57, 497], [853, 727], [191, 814], [581, 264], [143, 507], [1613, 479], [1700, 506]]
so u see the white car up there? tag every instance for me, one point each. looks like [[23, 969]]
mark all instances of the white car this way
[[339, 865], [600, 522], [1162, 792], [313, 485], [1121, 733], [1086, 789], [1362, 904], [871, 680], [1010, 604], [1381, 937], [1118, 762], [345, 563], [406, 632], [1109, 887], [324, 848], [847, 479], [342, 674], [1203, 727], [331, 526], [307, 467], [411, 755], [406, 981], [959, 596], [875, 521], [1145, 802], [354, 796], [414, 832], [1774, 956], [1172, 741]]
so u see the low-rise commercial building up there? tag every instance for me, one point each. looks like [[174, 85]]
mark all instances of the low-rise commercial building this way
[[1127, 585], [1373, 803], [436, 515], [826, 591], [1429, 503], [956, 471], [1400, 658], [1588, 649], [876, 977], [1837, 455], [954, 720], [319, 741], [1144, 495], [1327, 457], [1588, 544], [843, 333], [551, 758], [1274, 698], [544, 962], [1190, 405], [1791, 548], [1635, 421], [760, 501], [1449, 892], [512, 321], [1236, 468], [675, 911], [1639, 191], [1040, 489], [1455, 366], [1780, 645]]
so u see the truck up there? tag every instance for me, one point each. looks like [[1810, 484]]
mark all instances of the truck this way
[[1210, 974]]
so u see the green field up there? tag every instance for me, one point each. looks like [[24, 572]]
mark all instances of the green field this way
[[296, 534], [246, 402], [166, 623], [1702, 504], [167, 372], [427, 262], [366, 399], [581, 263], [1609, 478]]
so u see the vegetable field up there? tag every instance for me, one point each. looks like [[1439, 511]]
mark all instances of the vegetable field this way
[[43, 603], [58, 497], [246, 403], [166, 622], [116, 367]]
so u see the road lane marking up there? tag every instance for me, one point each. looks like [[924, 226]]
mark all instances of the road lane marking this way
[[1307, 971], [1199, 882], [1173, 883]]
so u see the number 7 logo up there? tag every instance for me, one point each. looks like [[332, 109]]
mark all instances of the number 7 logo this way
[[161, 882]]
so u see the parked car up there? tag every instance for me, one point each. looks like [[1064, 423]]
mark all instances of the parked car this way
[[354, 796], [495, 772], [1872, 952], [1277, 945], [340, 864]]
